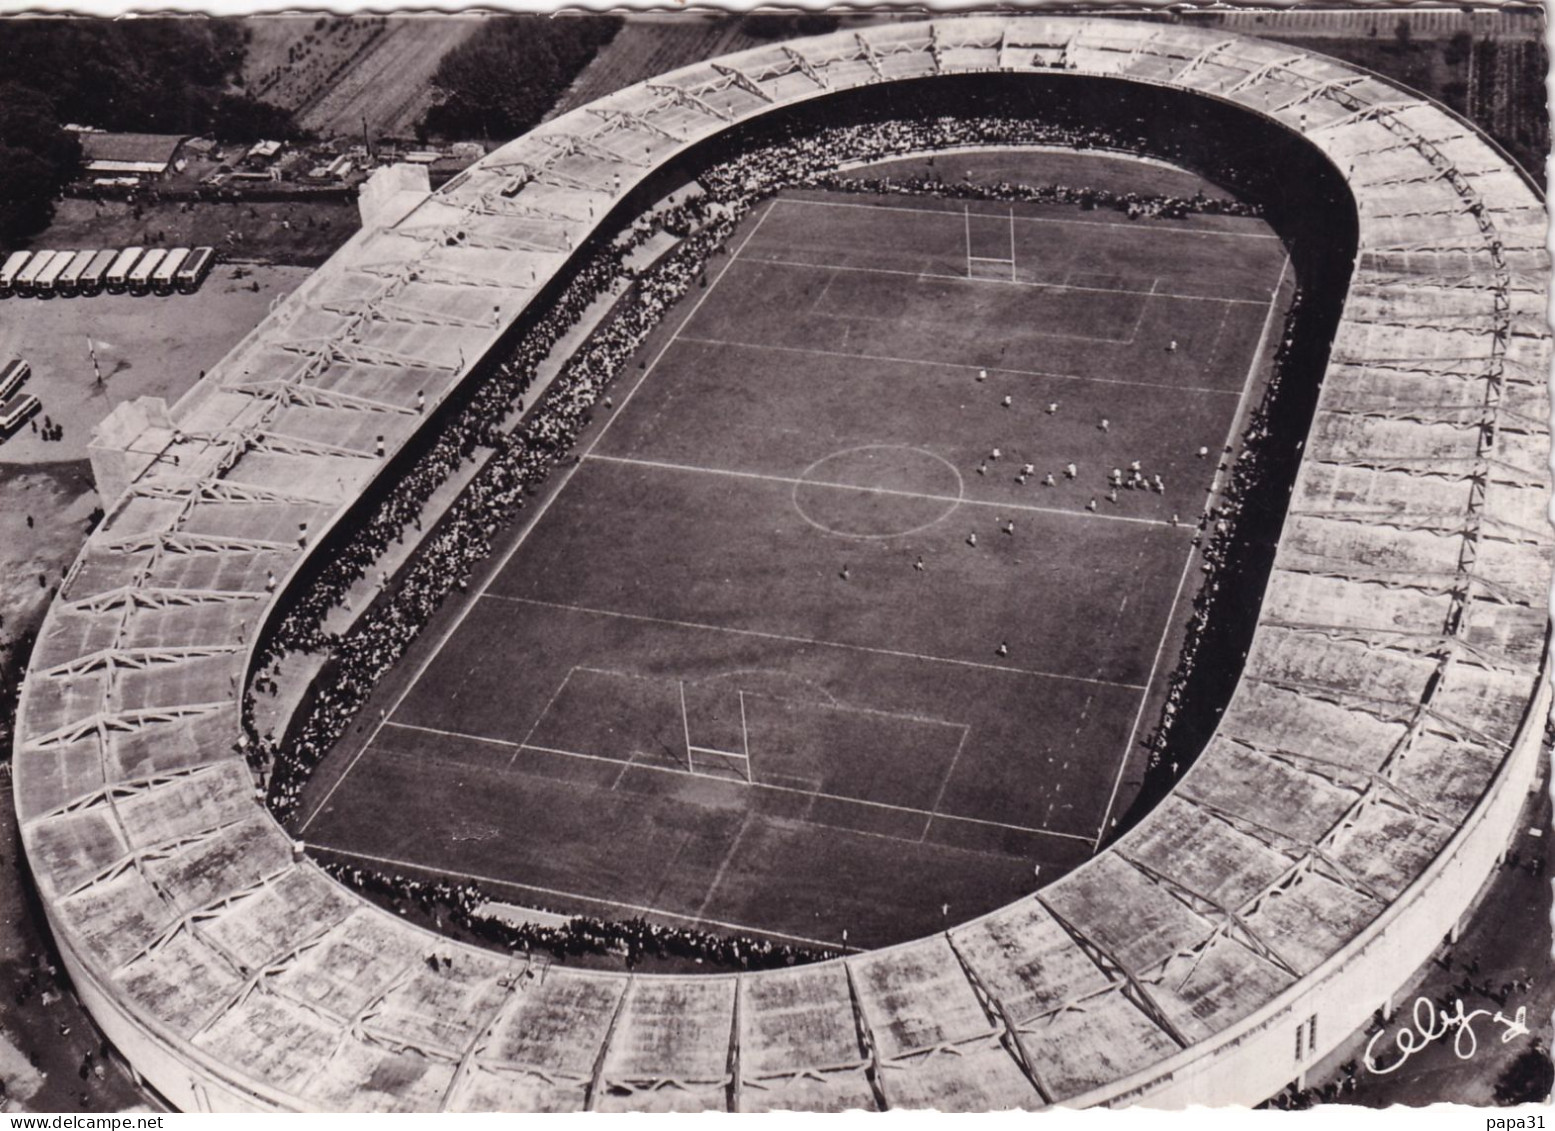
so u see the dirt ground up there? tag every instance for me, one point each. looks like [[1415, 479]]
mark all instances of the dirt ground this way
[[146, 345], [43, 521], [290, 232], [339, 73]]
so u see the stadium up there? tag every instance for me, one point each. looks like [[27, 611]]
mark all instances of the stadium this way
[[1304, 826]]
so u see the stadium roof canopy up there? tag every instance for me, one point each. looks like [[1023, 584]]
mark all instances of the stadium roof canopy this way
[[1371, 744]]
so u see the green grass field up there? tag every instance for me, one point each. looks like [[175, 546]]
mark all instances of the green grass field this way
[[710, 680]]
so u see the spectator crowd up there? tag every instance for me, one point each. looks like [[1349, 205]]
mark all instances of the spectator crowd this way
[[631, 940], [517, 460], [1222, 540]]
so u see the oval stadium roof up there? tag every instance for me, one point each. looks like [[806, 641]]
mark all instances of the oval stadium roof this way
[[1365, 762]]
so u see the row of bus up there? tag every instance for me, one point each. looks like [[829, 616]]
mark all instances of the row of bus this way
[[87, 272]]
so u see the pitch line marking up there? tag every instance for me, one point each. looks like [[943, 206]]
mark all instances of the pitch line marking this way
[[756, 257], [598, 901], [805, 477], [723, 865], [1171, 616], [829, 701], [1202, 232], [832, 704], [534, 520], [864, 648], [1144, 308], [1214, 345], [745, 734], [944, 784], [691, 339], [817, 794], [1085, 516], [685, 721], [546, 710]]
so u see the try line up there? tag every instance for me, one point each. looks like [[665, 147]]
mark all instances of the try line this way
[[756, 257], [931, 814], [1201, 232], [639, 908], [809, 641]]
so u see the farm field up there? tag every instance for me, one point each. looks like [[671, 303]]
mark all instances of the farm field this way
[[335, 71], [389, 84], [290, 59], [747, 667]]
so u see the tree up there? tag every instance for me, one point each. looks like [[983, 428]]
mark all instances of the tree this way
[[787, 25], [241, 117], [26, 194], [1457, 49], [503, 79], [151, 75], [37, 159]]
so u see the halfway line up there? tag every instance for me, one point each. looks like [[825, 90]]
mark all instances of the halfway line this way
[[1085, 516]]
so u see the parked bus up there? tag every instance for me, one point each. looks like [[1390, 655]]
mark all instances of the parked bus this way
[[119, 274], [14, 412], [195, 268], [167, 272], [28, 275], [91, 280], [70, 278], [48, 278], [11, 268], [12, 374], [140, 278]]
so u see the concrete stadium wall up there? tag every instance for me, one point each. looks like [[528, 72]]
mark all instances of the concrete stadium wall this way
[[1257, 1059], [167, 1066]]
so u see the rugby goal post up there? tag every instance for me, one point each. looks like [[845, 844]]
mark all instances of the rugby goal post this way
[[711, 761], [988, 266]]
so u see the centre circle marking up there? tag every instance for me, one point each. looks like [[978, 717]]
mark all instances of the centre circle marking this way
[[812, 477]]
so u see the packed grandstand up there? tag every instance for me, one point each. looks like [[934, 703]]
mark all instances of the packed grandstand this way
[[1346, 798]]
